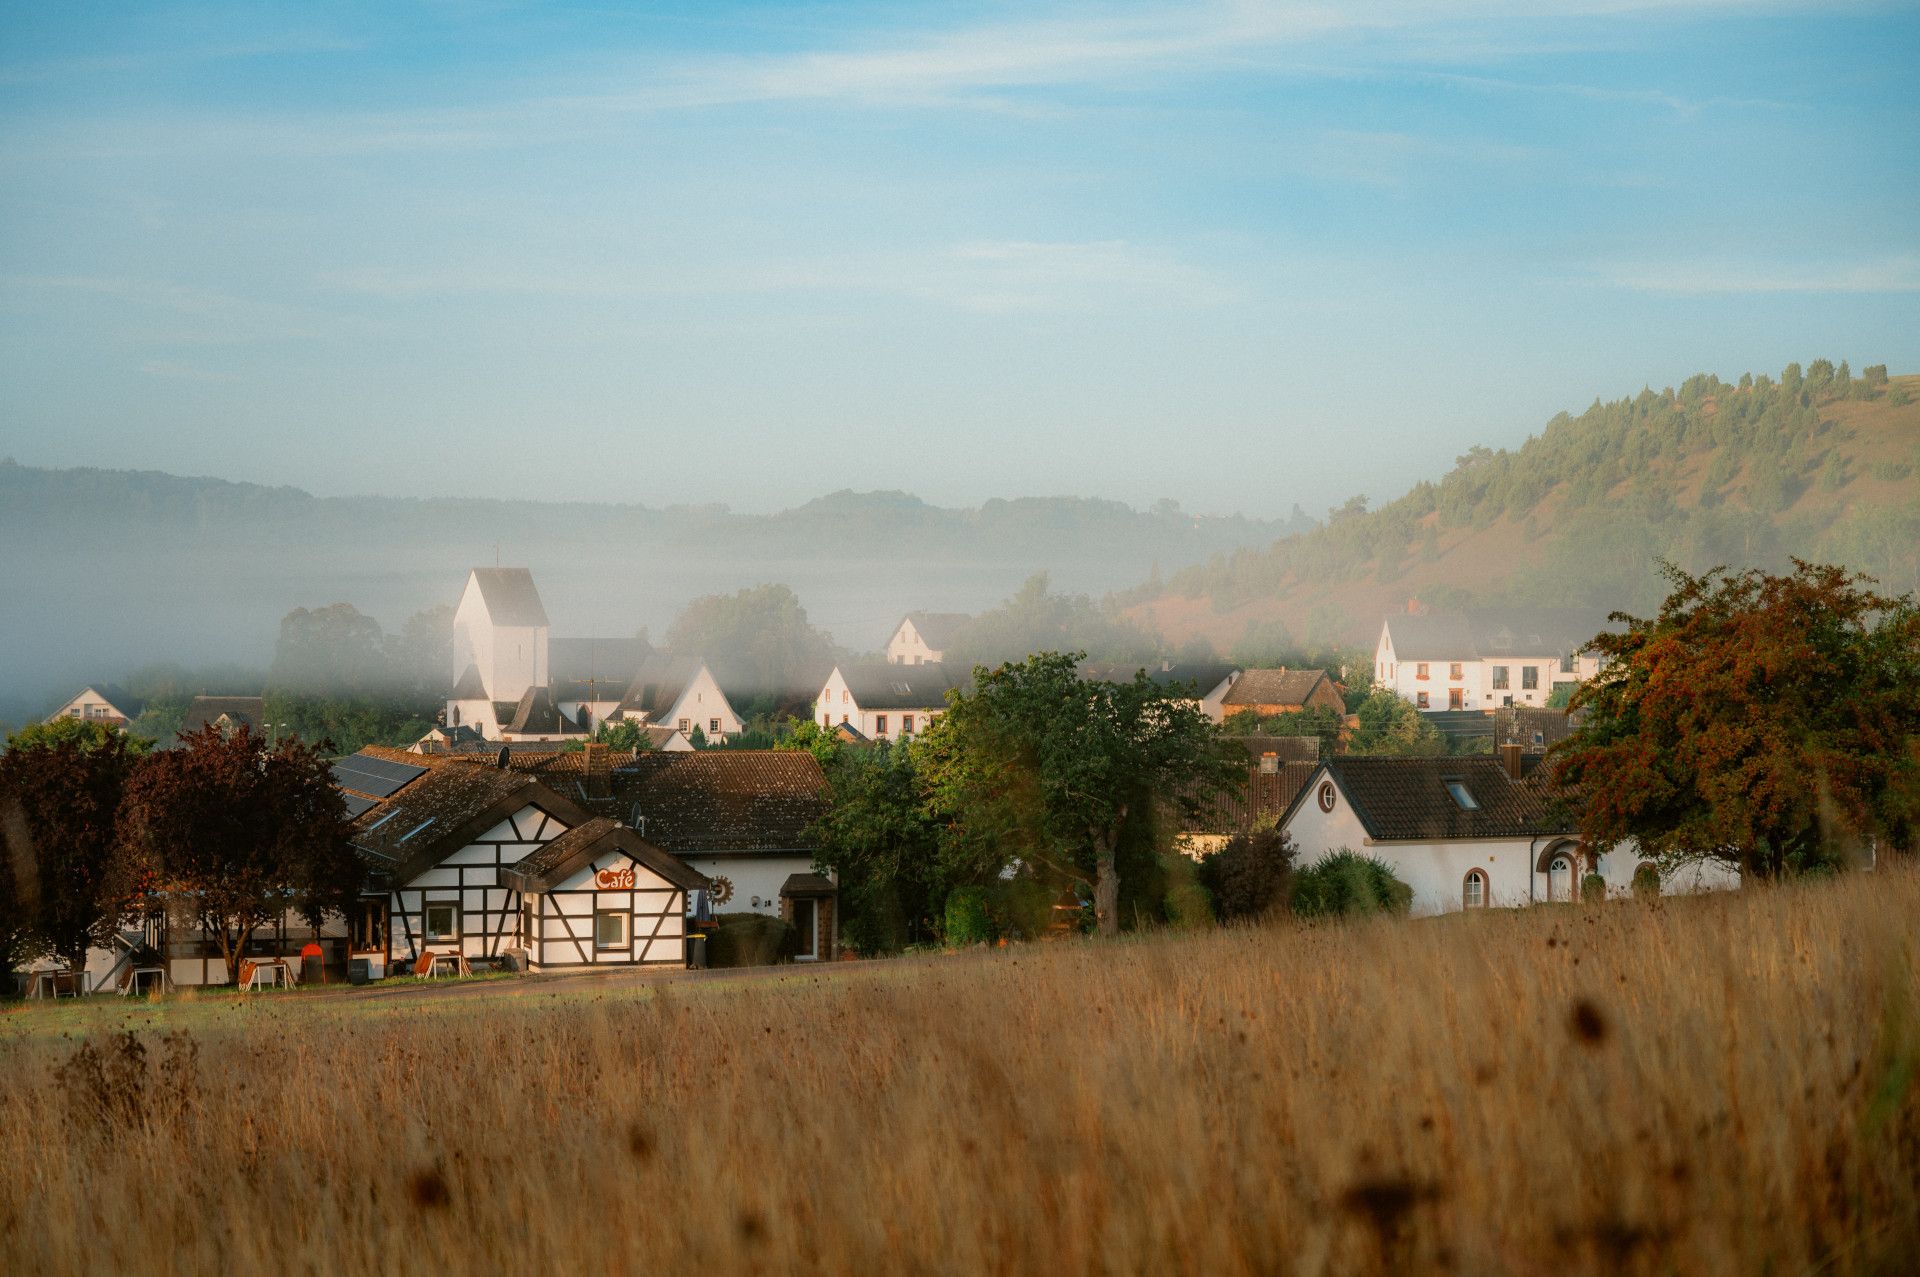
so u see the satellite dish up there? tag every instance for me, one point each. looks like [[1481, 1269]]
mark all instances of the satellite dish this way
[[500, 759]]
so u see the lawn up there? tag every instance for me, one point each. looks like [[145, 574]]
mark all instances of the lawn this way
[[1711, 1085]]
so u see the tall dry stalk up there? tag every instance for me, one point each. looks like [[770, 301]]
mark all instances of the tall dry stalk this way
[[1719, 1085]]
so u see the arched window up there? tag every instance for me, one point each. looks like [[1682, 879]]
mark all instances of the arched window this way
[[1560, 877], [1473, 890]]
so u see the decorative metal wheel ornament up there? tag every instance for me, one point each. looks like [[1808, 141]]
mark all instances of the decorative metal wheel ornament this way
[[722, 890]]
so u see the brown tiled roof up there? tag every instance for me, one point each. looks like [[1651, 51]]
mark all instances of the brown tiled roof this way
[[561, 762], [883, 685], [1287, 749], [1261, 798], [808, 885], [443, 810], [727, 800], [1407, 799], [564, 856], [1533, 728], [205, 710], [510, 596], [1274, 687], [658, 684]]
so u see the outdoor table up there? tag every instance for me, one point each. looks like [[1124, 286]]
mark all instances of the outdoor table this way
[[159, 975], [47, 984], [278, 968]]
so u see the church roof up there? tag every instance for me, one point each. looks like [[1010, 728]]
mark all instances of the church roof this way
[[510, 596], [607, 662], [469, 687]]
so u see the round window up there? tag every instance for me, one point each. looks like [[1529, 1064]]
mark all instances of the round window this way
[[1326, 795]]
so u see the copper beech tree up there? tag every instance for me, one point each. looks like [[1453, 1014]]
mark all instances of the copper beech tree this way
[[227, 834], [1770, 722]]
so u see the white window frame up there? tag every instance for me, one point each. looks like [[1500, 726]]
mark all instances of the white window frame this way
[[427, 933], [625, 920]]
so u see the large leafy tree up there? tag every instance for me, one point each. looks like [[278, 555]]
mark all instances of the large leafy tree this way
[[228, 834], [880, 842], [1765, 721], [757, 639], [60, 787], [1038, 764]]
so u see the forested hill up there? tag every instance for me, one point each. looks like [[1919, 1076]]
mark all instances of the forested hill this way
[[1819, 462], [104, 570]]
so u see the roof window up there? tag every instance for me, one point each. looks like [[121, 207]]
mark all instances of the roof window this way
[[416, 829], [1461, 796], [383, 820]]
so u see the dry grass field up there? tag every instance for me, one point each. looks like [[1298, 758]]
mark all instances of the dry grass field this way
[[1706, 1086]]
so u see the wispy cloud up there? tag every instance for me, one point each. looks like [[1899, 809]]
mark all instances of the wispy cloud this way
[[1899, 273]]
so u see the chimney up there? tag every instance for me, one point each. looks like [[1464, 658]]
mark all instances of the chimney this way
[[599, 762], [1511, 756]]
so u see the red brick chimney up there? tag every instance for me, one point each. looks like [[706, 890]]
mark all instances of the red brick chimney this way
[[599, 764], [1510, 758]]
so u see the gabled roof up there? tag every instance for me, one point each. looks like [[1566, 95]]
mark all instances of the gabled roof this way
[[1287, 749], [250, 711], [1261, 797], [1489, 635], [883, 685], [1275, 687], [938, 629], [469, 687], [721, 800], [449, 805], [609, 662], [566, 855], [128, 706], [537, 715], [1408, 799], [510, 596], [1533, 728], [659, 683]]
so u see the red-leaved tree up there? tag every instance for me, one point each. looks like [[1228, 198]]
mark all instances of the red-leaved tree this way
[[227, 835], [1769, 722]]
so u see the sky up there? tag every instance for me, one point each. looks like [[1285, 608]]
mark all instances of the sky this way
[[1239, 255]]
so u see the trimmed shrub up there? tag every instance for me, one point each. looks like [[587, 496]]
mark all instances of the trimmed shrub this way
[[750, 940], [1593, 889], [1347, 884], [967, 920], [1251, 876]]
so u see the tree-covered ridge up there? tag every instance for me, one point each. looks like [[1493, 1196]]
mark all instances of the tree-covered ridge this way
[[1818, 462]]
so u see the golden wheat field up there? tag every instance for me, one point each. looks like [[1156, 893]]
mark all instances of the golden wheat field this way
[[1721, 1085]]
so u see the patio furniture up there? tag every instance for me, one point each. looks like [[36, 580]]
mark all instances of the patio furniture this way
[[157, 976], [55, 984], [269, 971]]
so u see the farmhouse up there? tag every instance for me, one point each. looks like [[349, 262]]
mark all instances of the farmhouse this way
[[1464, 833], [1484, 660], [101, 703], [923, 638], [883, 700]]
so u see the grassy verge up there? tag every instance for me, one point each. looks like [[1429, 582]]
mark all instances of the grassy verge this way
[[1712, 1085]]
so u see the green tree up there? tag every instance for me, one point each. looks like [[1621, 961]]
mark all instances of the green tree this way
[[622, 734], [85, 736], [329, 651], [1389, 725], [881, 843], [1039, 765], [1251, 876], [757, 640], [1762, 721]]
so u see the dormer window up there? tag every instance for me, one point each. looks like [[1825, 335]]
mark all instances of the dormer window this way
[[1461, 796]]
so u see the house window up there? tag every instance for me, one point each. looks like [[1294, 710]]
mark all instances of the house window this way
[[686, 724], [441, 922], [713, 727], [1530, 678], [1420, 670], [845, 697], [1473, 892], [1462, 797], [1566, 665], [610, 929], [1500, 676], [1454, 672], [1326, 795], [1420, 701], [906, 724], [879, 724]]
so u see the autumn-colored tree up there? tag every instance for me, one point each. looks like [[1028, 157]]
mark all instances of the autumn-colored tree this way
[[60, 788], [1038, 764], [227, 834], [1765, 721]]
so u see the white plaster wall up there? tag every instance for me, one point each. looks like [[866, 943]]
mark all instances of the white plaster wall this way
[[761, 876], [700, 704]]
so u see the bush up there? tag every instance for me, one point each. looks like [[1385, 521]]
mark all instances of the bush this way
[[967, 919], [750, 940], [1593, 889], [1251, 876], [1348, 884], [1646, 882]]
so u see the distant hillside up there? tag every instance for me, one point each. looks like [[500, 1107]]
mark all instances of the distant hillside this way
[[1817, 463], [103, 570]]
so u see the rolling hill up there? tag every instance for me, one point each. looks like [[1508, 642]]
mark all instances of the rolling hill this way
[[1817, 463]]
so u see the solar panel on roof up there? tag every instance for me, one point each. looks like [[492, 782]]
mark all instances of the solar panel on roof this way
[[377, 776], [356, 804]]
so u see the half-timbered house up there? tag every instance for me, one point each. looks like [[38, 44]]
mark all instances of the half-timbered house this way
[[599, 894]]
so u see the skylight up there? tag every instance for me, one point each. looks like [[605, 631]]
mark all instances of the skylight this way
[[383, 820], [416, 829], [1460, 795]]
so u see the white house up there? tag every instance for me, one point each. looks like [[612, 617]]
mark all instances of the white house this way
[[600, 894], [101, 703], [1463, 833], [883, 700], [1484, 660], [922, 638], [681, 693], [1209, 681]]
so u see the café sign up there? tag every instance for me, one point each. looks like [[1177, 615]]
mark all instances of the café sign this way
[[614, 879]]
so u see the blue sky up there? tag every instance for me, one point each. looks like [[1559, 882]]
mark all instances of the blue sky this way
[[1239, 255]]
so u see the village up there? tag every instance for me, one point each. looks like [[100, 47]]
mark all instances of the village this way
[[577, 807]]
